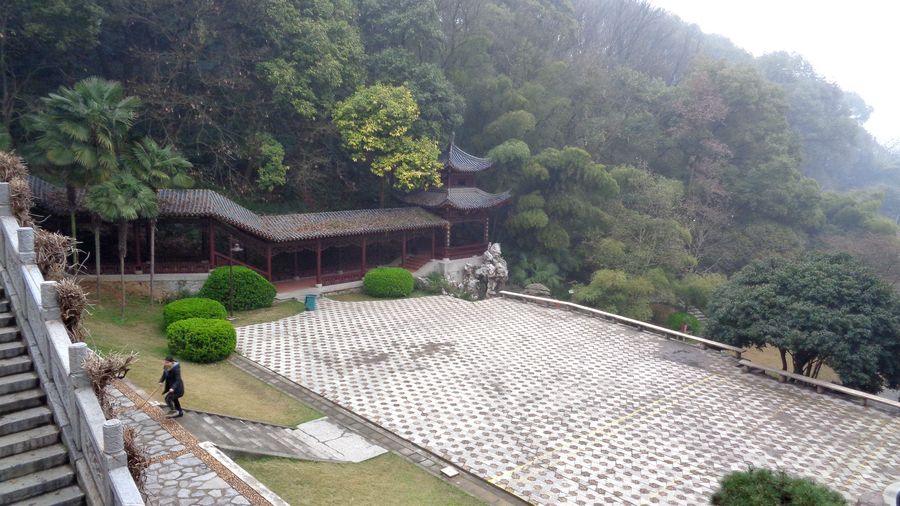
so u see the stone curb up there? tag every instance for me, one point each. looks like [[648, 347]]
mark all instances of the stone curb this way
[[246, 477]]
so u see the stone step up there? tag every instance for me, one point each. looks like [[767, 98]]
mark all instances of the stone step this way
[[24, 419], [9, 333], [15, 365], [27, 440], [4, 306], [39, 459], [21, 400], [69, 496], [18, 382], [7, 319], [12, 349], [35, 484]]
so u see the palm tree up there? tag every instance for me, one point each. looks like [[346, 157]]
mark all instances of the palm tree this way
[[81, 132], [121, 199], [158, 167]]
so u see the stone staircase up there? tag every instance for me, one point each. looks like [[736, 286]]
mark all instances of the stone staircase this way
[[414, 263], [34, 464]]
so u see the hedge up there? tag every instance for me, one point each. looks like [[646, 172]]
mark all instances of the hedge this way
[[675, 320], [201, 339], [762, 487], [251, 291], [193, 307], [388, 282]]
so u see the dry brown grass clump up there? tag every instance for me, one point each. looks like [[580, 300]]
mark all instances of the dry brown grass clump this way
[[73, 303], [21, 201], [11, 167], [102, 370], [138, 460], [52, 252]]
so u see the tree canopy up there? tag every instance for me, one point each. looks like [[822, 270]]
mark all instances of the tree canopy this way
[[820, 309]]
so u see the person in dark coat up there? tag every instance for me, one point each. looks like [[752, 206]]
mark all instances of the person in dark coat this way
[[173, 386]]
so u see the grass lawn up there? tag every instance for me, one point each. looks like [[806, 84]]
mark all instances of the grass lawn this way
[[362, 297], [385, 480], [770, 357], [219, 387]]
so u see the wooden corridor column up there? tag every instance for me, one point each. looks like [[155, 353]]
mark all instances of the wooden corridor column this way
[[296, 275], [362, 263], [403, 251], [212, 244], [318, 261], [433, 245], [269, 262]]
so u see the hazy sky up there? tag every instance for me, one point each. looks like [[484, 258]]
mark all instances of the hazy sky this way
[[855, 44]]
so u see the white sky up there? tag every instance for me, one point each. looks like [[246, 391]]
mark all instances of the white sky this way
[[855, 44]]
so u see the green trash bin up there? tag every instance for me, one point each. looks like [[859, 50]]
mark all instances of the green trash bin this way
[[310, 302]]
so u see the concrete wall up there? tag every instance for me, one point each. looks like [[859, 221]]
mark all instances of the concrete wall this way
[[95, 444]]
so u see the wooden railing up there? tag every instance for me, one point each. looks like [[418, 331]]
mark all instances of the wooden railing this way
[[344, 277], [469, 250], [647, 327], [224, 261], [820, 385]]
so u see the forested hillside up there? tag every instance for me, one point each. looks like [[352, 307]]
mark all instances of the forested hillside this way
[[646, 158]]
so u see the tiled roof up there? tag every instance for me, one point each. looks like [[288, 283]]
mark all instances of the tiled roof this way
[[465, 198], [278, 228], [461, 161]]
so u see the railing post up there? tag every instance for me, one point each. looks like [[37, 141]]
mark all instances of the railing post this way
[[26, 244], [49, 301], [114, 444], [77, 355], [5, 210]]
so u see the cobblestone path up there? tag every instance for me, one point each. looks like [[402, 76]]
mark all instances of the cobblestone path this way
[[561, 408], [181, 473]]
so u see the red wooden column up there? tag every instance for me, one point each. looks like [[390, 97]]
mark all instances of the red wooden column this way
[[362, 263], [403, 251], [318, 261], [269, 262], [433, 245], [296, 270], [212, 244]]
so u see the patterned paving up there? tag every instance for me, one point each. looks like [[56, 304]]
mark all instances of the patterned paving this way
[[561, 408]]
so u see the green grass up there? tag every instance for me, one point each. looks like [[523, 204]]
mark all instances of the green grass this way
[[219, 387], [386, 480], [362, 297]]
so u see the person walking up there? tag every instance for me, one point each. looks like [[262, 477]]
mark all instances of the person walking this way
[[173, 387]]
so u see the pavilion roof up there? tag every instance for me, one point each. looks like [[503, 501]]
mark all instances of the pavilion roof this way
[[460, 161], [464, 198], [277, 227]]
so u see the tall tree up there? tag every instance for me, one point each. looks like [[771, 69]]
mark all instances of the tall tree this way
[[820, 310], [121, 199], [81, 134], [157, 167], [375, 125]]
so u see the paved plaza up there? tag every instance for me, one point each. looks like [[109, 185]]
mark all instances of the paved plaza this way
[[561, 408]]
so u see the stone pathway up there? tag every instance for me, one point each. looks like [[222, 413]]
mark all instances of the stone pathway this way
[[321, 439], [181, 473], [561, 408]]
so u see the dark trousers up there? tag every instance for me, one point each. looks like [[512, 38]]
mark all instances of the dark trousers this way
[[173, 403]]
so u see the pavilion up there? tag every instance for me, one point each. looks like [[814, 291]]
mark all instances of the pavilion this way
[[198, 230]]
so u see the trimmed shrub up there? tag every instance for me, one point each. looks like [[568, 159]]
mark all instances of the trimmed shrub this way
[[201, 339], [676, 320], [762, 487], [251, 291], [193, 307], [388, 282]]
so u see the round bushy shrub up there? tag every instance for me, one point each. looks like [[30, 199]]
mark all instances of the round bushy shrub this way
[[762, 487], [388, 282], [201, 339], [676, 320], [193, 307], [251, 291]]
